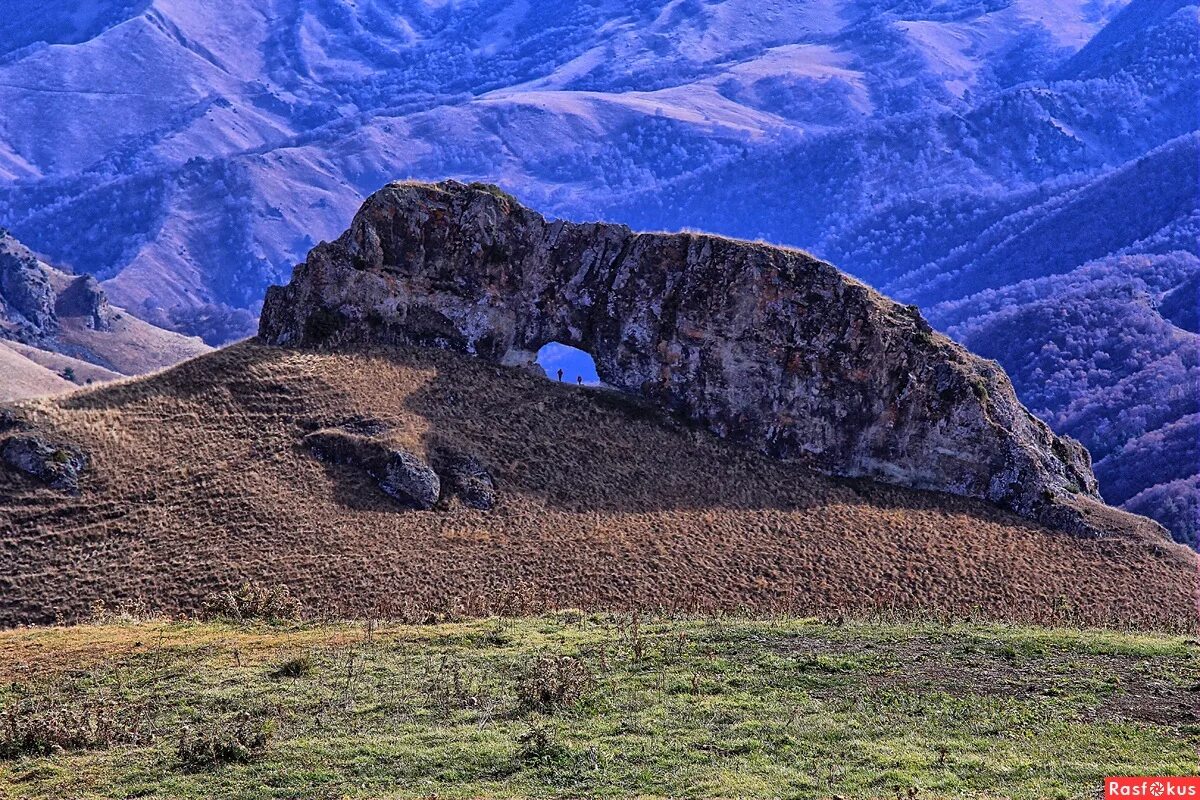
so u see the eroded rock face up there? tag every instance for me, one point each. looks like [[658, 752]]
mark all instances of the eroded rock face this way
[[762, 344], [84, 298], [26, 295]]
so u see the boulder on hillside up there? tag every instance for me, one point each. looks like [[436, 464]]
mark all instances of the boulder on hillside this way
[[467, 478], [399, 474], [55, 463], [409, 480]]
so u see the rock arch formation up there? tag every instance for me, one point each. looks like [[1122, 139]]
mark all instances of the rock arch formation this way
[[763, 344]]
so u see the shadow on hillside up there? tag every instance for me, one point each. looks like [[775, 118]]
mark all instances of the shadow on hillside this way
[[594, 449], [578, 449]]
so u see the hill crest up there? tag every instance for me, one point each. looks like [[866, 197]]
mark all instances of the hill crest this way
[[202, 476]]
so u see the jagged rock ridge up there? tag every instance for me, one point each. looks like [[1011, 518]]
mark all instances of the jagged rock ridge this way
[[763, 344]]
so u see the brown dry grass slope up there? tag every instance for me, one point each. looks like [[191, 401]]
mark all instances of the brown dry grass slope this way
[[23, 377], [199, 480], [58, 363]]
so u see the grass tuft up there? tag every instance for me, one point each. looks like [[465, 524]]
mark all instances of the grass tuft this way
[[551, 683], [252, 601]]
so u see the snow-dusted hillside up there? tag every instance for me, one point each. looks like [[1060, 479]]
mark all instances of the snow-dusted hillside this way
[[992, 160]]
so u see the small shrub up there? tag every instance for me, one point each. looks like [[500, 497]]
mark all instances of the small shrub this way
[[237, 741], [125, 613], [42, 726], [252, 601], [538, 747], [296, 667], [454, 685], [554, 682]]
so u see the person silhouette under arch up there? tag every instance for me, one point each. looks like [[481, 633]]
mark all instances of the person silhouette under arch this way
[[560, 374]]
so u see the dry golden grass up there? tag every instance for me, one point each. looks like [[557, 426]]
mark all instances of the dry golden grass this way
[[24, 377], [132, 346], [199, 481], [58, 363]]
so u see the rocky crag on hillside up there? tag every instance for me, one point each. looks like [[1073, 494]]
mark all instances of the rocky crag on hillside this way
[[31, 304], [761, 344], [58, 328]]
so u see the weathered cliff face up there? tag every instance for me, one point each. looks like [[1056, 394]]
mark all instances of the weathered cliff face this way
[[26, 294], [33, 297], [763, 344]]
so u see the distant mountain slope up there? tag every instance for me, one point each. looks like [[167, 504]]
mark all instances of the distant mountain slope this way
[[1069, 229], [1091, 352], [243, 133], [596, 501], [63, 325], [24, 377]]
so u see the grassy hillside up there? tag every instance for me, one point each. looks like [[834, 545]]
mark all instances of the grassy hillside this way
[[200, 479], [576, 704], [25, 378]]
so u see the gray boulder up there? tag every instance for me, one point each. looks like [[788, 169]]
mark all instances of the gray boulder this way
[[56, 464], [409, 480]]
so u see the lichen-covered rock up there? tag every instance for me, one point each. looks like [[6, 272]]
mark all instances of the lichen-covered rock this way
[[409, 480], [468, 479], [762, 344], [56, 464], [398, 473]]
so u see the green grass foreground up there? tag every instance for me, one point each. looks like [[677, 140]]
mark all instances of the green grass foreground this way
[[577, 704]]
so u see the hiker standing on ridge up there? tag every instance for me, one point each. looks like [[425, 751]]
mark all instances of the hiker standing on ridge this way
[[560, 374]]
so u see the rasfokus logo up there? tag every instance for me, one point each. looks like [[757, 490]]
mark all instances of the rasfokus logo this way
[[1152, 787]]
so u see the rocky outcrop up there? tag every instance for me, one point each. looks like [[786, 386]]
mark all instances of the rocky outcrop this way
[[761, 344], [34, 297], [57, 464], [84, 298], [57, 313], [399, 474], [402, 475], [26, 294]]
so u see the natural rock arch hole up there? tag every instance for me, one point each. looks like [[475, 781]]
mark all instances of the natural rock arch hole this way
[[575, 364]]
